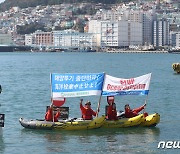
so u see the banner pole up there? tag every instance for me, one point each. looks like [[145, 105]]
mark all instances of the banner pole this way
[[99, 103], [145, 103], [147, 94], [51, 97]]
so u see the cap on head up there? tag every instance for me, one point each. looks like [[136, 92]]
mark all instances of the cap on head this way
[[127, 105], [110, 99], [88, 103]]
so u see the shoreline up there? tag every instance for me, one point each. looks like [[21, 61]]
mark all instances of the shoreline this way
[[136, 51], [106, 51]]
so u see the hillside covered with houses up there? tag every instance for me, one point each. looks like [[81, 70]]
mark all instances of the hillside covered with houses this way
[[33, 3], [133, 25]]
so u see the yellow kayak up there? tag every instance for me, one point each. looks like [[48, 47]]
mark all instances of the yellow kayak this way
[[77, 124], [151, 120], [124, 122], [176, 67]]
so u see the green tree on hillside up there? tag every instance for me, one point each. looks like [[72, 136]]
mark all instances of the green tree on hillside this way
[[31, 28]]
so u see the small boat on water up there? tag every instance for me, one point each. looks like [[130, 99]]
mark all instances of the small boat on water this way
[[74, 90], [87, 50], [176, 67], [80, 124], [134, 86], [107, 86], [81, 50], [148, 48], [174, 50], [6, 48], [72, 124]]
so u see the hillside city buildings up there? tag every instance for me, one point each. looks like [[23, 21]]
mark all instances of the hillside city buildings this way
[[130, 25]]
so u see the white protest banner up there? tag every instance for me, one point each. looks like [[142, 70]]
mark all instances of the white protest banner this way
[[132, 86]]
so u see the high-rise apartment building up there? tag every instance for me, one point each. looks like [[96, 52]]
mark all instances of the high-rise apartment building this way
[[140, 16], [160, 33], [148, 19], [119, 33], [74, 39], [178, 40]]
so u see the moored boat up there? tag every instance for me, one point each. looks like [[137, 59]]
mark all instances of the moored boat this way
[[87, 50], [6, 48], [176, 51], [6, 43], [74, 124]]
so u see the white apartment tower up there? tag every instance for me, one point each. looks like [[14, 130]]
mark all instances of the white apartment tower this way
[[109, 33], [178, 40], [148, 19], [95, 29], [160, 33], [112, 15], [30, 39], [172, 41], [144, 17], [71, 38], [119, 33]]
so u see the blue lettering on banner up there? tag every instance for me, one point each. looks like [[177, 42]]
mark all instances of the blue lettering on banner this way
[[138, 92], [76, 82]]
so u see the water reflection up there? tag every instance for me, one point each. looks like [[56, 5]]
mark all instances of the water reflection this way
[[2, 145], [115, 140], [48, 139], [56, 140], [104, 140], [129, 139], [56, 135], [124, 140]]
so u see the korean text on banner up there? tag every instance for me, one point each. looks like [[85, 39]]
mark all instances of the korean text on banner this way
[[119, 86], [76, 85]]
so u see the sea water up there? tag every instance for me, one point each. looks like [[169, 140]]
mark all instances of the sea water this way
[[25, 80]]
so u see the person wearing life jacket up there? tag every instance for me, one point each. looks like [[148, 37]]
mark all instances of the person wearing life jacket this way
[[49, 114], [111, 109], [111, 112], [87, 112], [132, 113]]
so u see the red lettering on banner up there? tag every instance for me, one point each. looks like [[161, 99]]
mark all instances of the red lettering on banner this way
[[113, 87], [127, 81], [127, 87]]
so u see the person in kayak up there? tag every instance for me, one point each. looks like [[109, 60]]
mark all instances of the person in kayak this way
[[49, 114], [111, 109], [132, 113], [111, 112], [87, 112]]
